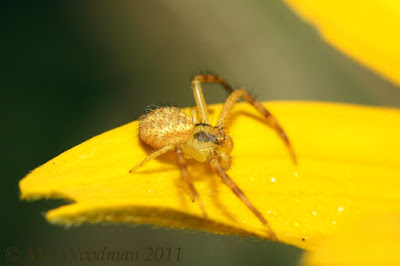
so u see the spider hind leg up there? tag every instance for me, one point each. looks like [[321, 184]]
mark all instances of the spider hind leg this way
[[151, 156]]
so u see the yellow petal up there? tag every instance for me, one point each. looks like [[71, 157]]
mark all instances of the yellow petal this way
[[366, 30], [348, 165], [370, 240]]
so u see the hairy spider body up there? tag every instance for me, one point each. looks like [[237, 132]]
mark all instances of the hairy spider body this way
[[168, 128], [165, 126]]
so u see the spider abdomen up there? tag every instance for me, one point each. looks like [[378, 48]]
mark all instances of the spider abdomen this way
[[165, 126]]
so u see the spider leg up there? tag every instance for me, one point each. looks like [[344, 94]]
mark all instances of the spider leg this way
[[152, 156], [245, 95], [199, 96], [239, 193], [194, 114], [213, 79], [185, 174], [228, 106]]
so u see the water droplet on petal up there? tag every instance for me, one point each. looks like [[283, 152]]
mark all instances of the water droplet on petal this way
[[340, 208]]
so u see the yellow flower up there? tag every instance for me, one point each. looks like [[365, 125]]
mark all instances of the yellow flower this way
[[368, 240], [348, 166], [366, 30]]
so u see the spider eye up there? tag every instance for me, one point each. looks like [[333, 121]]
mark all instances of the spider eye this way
[[206, 137], [218, 140]]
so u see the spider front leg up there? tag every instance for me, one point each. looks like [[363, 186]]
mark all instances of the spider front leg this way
[[245, 95], [239, 193], [230, 102], [185, 174], [199, 96]]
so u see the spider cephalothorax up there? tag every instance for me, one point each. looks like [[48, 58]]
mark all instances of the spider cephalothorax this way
[[208, 142], [169, 128]]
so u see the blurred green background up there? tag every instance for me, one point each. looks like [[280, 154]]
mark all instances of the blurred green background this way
[[73, 69]]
